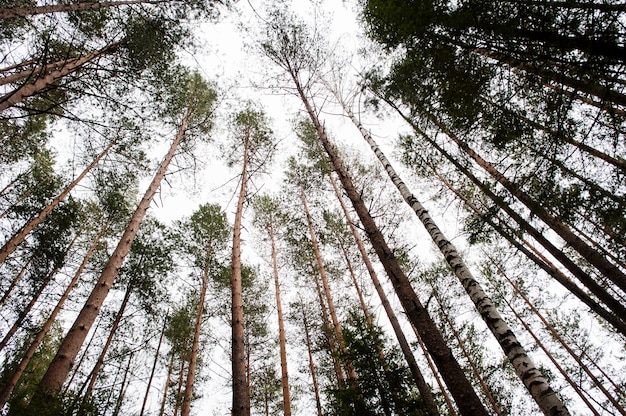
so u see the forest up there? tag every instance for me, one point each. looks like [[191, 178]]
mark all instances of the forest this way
[[366, 207]]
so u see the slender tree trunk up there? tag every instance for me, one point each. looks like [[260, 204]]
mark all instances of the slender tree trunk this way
[[168, 380], [14, 241], [15, 281], [30, 352], [241, 395], [195, 346], [93, 375], [16, 97], [593, 257], [124, 386], [281, 329], [7, 13], [307, 337], [613, 304], [179, 386], [352, 377], [19, 201], [469, 358], [62, 363], [423, 388], [460, 388], [529, 374], [154, 364]]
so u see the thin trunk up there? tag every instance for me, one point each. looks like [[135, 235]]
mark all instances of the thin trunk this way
[[424, 389], [154, 364], [536, 257], [62, 363], [7, 13], [195, 346], [460, 388], [241, 396], [352, 377], [179, 386], [529, 374], [555, 362], [15, 281], [30, 352], [379, 349], [26, 90], [22, 315], [124, 386], [307, 337], [328, 333], [19, 201], [281, 330], [168, 380], [556, 336], [593, 257], [433, 369], [14, 241], [93, 375], [614, 305], [468, 357]]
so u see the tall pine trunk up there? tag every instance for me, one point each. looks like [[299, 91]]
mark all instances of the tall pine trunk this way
[[529, 374], [154, 364], [281, 329], [15, 241], [62, 363], [12, 12], [307, 338], [241, 393]]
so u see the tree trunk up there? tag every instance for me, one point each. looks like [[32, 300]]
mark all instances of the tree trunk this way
[[241, 395], [93, 376], [424, 389], [34, 72], [62, 363], [12, 12], [154, 364], [179, 386], [30, 352], [168, 379], [14, 241], [307, 338], [352, 377], [460, 388], [193, 360], [529, 374], [15, 281], [26, 90], [122, 394], [281, 330]]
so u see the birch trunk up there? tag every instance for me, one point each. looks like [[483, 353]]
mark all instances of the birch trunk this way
[[241, 395], [26, 90], [30, 352], [423, 388], [62, 363], [17, 239], [460, 388], [535, 382], [191, 372], [281, 330]]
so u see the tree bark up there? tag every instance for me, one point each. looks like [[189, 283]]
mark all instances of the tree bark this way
[[62, 363], [281, 329], [307, 337], [529, 374], [154, 364], [241, 394], [15, 281], [16, 240]]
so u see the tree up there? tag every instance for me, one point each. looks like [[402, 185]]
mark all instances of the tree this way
[[253, 140]]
